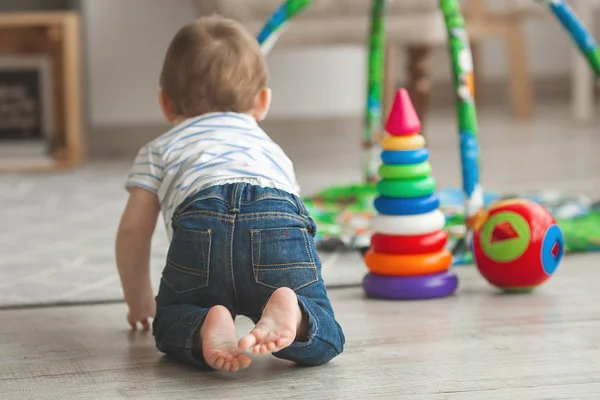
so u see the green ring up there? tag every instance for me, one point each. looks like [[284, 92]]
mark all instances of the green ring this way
[[407, 188], [410, 171]]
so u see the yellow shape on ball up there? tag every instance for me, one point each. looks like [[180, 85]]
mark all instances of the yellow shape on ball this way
[[411, 142]]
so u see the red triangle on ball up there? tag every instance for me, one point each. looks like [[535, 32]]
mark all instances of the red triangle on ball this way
[[403, 119]]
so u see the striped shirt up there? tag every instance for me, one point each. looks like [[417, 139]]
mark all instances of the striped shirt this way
[[212, 149]]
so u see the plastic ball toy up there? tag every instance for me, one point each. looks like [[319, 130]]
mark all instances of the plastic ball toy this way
[[517, 245]]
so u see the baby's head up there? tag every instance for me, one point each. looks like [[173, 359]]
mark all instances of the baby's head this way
[[214, 65]]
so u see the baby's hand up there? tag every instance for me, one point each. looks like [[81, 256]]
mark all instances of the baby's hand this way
[[141, 312]]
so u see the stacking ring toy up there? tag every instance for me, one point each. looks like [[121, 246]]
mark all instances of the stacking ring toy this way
[[417, 244], [408, 264], [416, 205], [407, 187], [411, 142], [409, 225], [410, 171], [405, 157], [410, 287]]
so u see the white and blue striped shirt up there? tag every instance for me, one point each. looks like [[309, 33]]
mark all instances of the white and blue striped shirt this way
[[212, 149]]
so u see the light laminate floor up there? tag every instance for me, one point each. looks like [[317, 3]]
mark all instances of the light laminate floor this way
[[477, 345]]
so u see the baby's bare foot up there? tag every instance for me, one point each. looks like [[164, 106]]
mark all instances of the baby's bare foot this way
[[281, 323], [218, 338]]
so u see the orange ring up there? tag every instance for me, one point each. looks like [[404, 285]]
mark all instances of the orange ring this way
[[408, 264]]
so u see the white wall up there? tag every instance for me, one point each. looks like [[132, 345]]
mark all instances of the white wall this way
[[126, 40], [125, 43]]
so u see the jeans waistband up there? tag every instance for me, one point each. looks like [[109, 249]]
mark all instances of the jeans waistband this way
[[237, 194]]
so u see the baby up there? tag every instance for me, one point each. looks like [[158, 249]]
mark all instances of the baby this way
[[241, 238]]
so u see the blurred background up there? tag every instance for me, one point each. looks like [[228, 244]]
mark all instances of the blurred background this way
[[78, 98], [122, 44]]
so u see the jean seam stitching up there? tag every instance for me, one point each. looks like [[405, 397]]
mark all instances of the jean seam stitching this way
[[211, 214], [206, 257], [235, 293], [310, 255], [271, 216], [269, 197], [179, 292], [259, 249], [281, 229], [303, 265], [182, 268], [252, 233], [235, 200], [202, 198], [194, 200]]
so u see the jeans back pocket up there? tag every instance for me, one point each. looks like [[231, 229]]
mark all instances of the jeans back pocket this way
[[188, 260], [283, 257]]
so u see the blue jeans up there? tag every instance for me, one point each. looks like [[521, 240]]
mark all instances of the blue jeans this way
[[234, 245]]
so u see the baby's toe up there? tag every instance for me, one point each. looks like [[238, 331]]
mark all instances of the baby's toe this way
[[226, 366], [219, 362], [211, 359], [245, 361], [256, 349], [247, 342]]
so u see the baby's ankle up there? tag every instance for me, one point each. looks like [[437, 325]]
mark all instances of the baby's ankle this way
[[302, 327], [197, 342]]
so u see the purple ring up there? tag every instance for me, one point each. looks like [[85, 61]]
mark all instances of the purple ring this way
[[410, 287]]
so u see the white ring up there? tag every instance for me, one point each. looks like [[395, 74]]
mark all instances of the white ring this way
[[407, 225]]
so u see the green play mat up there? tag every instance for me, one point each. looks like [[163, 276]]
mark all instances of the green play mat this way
[[343, 215]]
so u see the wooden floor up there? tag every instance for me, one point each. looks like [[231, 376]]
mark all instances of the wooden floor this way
[[476, 345]]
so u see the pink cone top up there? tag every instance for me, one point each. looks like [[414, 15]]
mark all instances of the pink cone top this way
[[403, 119]]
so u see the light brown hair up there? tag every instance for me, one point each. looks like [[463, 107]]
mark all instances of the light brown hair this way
[[213, 65]]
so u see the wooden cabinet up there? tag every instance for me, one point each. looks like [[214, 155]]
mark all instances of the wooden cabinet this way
[[56, 35]]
